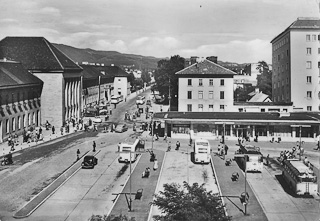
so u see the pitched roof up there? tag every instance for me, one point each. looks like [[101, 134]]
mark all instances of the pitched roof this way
[[113, 71], [89, 71], [259, 97], [302, 23], [36, 54], [13, 74], [205, 67]]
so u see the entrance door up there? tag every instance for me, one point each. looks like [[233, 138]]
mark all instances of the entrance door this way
[[169, 130]]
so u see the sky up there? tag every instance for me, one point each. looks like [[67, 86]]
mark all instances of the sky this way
[[234, 30]]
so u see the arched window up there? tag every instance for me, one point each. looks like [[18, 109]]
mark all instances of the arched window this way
[[7, 126], [13, 124], [19, 123]]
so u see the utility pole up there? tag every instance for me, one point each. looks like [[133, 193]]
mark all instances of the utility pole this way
[[169, 95]]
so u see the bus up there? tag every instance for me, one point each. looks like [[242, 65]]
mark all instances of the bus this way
[[250, 158], [129, 149], [300, 177], [115, 99], [202, 151]]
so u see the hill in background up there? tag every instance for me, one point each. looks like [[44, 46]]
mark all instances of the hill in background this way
[[108, 57]]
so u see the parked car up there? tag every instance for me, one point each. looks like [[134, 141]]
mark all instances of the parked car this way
[[121, 128], [97, 120], [89, 162]]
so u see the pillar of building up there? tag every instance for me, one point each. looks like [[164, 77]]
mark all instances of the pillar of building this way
[[294, 133]]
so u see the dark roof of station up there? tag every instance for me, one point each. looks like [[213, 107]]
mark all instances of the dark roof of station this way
[[36, 54], [13, 74]]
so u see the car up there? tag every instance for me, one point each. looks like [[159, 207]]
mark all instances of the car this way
[[97, 120], [89, 162], [121, 128]]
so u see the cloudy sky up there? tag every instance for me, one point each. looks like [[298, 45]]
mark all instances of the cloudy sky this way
[[234, 30]]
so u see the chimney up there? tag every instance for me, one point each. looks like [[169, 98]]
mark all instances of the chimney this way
[[213, 59], [193, 60]]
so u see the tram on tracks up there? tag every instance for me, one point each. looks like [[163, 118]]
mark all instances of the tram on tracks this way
[[249, 158], [300, 177]]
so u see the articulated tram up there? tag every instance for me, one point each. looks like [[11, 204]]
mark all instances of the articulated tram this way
[[250, 158], [300, 177]]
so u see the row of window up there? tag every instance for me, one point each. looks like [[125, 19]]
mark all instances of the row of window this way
[[200, 81], [200, 95], [312, 38], [16, 123], [200, 107], [5, 99], [281, 43]]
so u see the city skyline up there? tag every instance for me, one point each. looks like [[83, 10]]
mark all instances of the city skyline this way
[[235, 31]]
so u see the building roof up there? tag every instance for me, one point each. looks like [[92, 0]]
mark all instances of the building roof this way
[[302, 23], [271, 117], [36, 54], [260, 97], [113, 71], [205, 67], [13, 74]]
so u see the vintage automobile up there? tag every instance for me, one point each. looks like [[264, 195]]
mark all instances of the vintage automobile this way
[[97, 120], [121, 128], [89, 162]]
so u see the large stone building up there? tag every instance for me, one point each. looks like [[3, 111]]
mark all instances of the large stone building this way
[[205, 86], [61, 96], [295, 64], [20, 103]]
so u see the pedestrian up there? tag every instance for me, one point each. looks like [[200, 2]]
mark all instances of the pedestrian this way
[[12, 146], [40, 130], [53, 129], [119, 144], [169, 146], [267, 160], [78, 154], [318, 143], [155, 165], [61, 130], [219, 148], [94, 146], [177, 145], [226, 149]]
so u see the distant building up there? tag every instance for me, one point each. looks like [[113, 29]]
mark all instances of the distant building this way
[[20, 99], [259, 96], [205, 86], [295, 64], [61, 95]]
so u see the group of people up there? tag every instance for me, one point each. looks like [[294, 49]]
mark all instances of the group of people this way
[[146, 172], [223, 149], [291, 154]]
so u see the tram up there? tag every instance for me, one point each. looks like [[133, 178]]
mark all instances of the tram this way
[[202, 151], [250, 158], [300, 177]]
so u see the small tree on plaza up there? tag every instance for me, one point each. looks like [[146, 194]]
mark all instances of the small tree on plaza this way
[[189, 203]]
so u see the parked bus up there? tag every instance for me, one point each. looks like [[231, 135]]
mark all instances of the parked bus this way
[[130, 148], [115, 99], [250, 158], [202, 151], [300, 177]]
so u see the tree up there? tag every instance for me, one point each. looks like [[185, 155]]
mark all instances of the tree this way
[[190, 203], [265, 78], [110, 218], [145, 76], [164, 73]]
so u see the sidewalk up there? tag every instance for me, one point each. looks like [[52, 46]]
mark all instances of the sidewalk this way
[[20, 145]]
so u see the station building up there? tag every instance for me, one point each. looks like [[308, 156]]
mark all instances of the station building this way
[[20, 99]]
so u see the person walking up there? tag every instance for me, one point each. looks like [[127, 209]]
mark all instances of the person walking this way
[[78, 154], [155, 165], [226, 149], [53, 129], [94, 146], [40, 130], [177, 145]]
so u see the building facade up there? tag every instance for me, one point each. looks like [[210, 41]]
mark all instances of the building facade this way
[[20, 99], [295, 64], [61, 96], [205, 87]]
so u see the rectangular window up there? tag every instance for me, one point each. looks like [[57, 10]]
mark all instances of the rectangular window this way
[[308, 38], [308, 65], [200, 107], [189, 107], [210, 82], [314, 37], [189, 94], [200, 82], [318, 50], [210, 107], [210, 94], [309, 94], [308, 51], [221, 82], [200, 94], [221, 107], [309, 108], [308, 79], [221, 94], [189, 82]]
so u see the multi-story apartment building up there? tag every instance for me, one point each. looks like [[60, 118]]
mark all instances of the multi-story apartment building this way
[[205, 86], [61, 95], [295, 63], [20, 93]]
